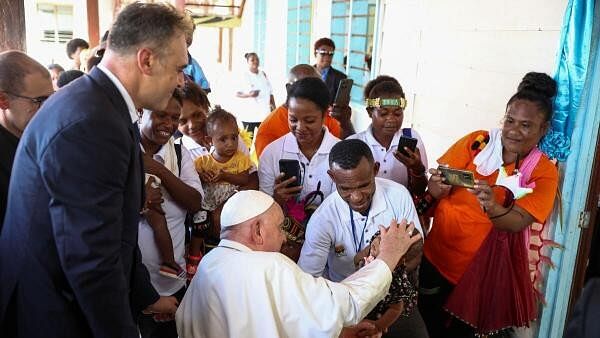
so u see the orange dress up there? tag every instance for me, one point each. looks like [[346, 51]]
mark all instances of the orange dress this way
[[276, 125], [460, 226]]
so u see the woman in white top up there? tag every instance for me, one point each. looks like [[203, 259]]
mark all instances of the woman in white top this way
[[308, 142], [257, 95], [385, 105]]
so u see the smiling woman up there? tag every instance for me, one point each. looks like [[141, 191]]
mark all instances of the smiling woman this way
[[308, 142], [474, 229]]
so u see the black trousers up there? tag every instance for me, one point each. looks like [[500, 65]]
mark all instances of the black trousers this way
[[251, 126], [434, 290], [149, 328]]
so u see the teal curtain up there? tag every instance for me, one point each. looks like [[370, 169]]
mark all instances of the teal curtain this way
[[572, 66]]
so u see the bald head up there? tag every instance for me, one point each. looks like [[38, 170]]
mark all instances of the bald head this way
[[15, 66], [301, 71]]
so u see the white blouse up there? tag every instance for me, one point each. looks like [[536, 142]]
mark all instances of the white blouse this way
[[315, 170]]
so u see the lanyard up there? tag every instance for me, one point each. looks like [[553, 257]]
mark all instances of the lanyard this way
[[358, 246]]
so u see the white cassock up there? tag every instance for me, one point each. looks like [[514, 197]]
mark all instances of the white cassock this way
[[238, 292]]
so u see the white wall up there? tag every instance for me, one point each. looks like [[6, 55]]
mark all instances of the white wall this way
[[460, 61], [46, 53]]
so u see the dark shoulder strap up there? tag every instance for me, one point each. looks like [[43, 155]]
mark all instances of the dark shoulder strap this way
[[407, 132], [178, 153]]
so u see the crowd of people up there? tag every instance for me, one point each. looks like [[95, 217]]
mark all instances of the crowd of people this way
[[132, 206]]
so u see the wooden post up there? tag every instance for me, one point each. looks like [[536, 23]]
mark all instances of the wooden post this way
[[220, 55], [12, 25], [93, 22], [230, 66], [180, 5]]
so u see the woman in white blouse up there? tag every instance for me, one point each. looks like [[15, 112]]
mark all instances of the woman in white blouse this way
[[385, 105], [308, 142], [257, 95]]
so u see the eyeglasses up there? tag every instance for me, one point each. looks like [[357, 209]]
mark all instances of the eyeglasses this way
[[323, 52], [35, 100]]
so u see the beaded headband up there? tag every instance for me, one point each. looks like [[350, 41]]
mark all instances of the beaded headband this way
[[379, 102]]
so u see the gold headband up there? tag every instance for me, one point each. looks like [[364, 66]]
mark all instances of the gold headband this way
[[379, 102]]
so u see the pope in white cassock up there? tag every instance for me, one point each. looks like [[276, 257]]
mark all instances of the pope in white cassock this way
[[246, 288]]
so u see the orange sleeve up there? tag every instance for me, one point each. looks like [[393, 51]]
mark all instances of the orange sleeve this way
[[540, 202], [334, 126], [459, 155], [273, 127]]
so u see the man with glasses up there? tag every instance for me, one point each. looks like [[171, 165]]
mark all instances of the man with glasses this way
[[324, 50], [69, 257], [24, 85]]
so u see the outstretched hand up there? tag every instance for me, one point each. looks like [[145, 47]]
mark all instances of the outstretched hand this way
[[395, 242]]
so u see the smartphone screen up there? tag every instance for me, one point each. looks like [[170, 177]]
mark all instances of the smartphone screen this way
[[291, 168], [408, 142], [461, 178]]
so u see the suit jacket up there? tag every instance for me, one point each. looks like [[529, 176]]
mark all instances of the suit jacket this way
[[332, 81], [70, 265], [584, 323]]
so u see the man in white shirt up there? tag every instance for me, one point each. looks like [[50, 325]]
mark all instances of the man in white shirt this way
[[246, 288], [345, 222]]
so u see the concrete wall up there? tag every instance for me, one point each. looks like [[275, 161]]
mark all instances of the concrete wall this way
[[460, 61]]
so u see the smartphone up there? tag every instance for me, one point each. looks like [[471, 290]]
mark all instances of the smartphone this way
[[342, 96], [458, 177], [291, 168], [408, 142]]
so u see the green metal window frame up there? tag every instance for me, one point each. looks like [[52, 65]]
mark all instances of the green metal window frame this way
[[354, 29], [299, 25], [260, 27]]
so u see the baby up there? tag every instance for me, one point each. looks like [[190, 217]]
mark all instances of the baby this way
[[225, 168], [402, 296]]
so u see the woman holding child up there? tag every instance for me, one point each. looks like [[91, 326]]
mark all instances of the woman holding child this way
[[162, 239], [476, 264]]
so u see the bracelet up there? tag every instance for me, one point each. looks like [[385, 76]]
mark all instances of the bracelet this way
[[502, 214]]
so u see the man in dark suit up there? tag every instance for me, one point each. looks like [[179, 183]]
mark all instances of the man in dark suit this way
[[70, 265], [324, 50]]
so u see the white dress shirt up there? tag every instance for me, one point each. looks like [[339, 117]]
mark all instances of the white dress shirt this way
[[238, 292], [389, 166], [175, 216], [331, 244], [128, 100], [315, 170]]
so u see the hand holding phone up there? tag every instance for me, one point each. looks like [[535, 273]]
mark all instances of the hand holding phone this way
[[408, 142], [291, 168], [342, 96]]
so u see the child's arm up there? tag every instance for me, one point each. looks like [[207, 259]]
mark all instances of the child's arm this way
[[412, 259], [390, 316], [240, 179], [252, 182]]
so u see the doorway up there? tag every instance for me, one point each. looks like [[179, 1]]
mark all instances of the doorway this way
[[587, 264]]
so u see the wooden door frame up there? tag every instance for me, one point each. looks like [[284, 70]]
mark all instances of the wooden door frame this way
[[592, 205]]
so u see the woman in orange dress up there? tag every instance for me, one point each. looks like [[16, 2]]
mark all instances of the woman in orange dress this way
[[474, 275]]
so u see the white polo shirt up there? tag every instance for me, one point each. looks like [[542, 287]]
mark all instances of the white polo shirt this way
[[331, 243], [389, 166], [175, 216], [315, 170]]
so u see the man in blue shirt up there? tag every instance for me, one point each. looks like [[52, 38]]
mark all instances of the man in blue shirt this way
[[193, 68]]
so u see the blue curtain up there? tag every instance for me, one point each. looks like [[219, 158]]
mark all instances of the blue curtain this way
[[573, 58]]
